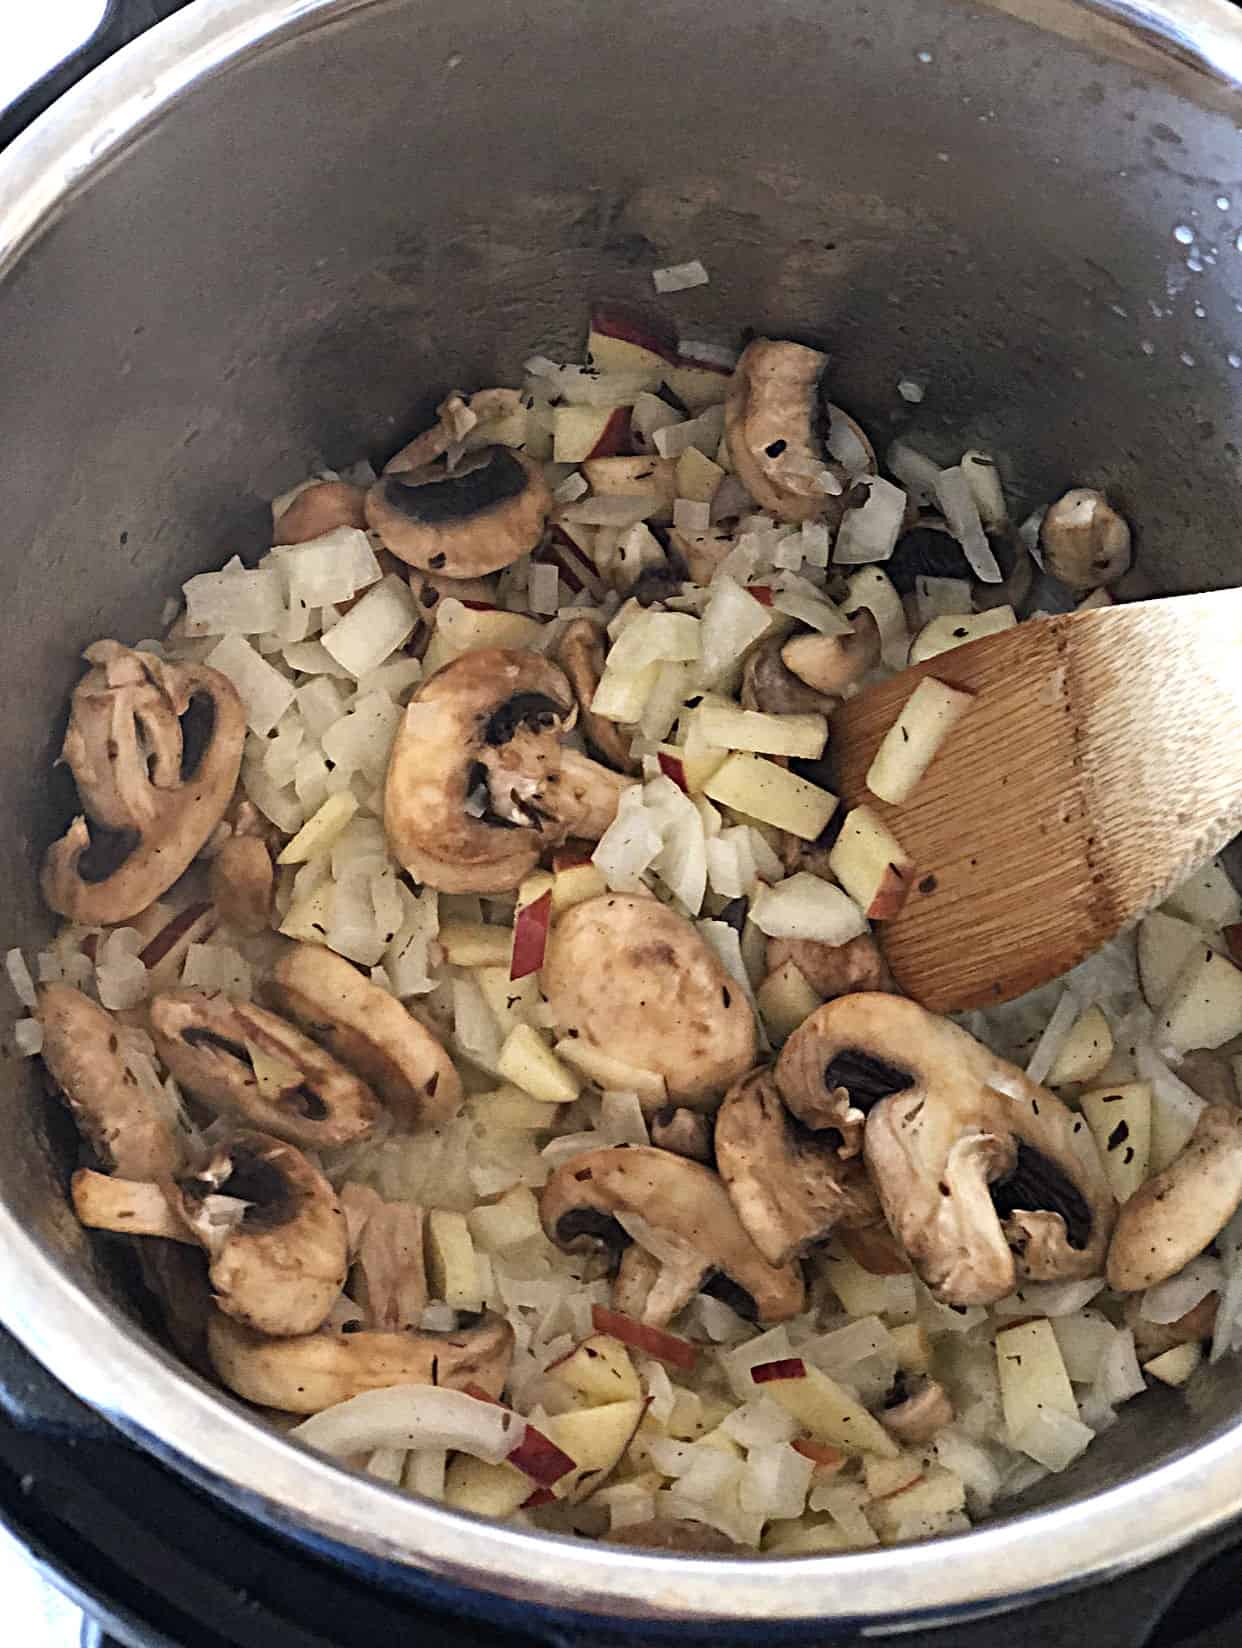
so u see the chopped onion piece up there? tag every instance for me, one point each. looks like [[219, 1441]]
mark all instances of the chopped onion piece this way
[[679, 277], [957, 505], [413, 1416], [382, 621], [804, 906]]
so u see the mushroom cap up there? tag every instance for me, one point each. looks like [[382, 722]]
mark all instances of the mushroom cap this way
[[368, 1030], [155, 750], [130, 1123], [314, 1371], [464, 522], [206, 1041], [832, 969], [682, 1201], [487, 728], [774, 419], [281, 1267], [789, 1185], [629, 975], [1173, 1217], [984, 1176]]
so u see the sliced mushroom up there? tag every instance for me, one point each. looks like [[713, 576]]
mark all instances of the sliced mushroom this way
[[1085, 542], [984, 1177], [109, 1083], [321, 508], [832, 969], [479, 784], [580, 653], [242, 881], [463, 522], [590, 1199], [244, 1061], [1172, 1218], [833, 664], [273, 1231], [684, 1132], [920, 1416], [769, 685], [155, 750], [776, 418], [315, 1371], [624, 972], [370, 1031], [789, 1186]]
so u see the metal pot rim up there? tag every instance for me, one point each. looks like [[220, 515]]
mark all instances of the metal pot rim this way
[[191, 1426]]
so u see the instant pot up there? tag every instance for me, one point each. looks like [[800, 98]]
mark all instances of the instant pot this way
[[269, 234]]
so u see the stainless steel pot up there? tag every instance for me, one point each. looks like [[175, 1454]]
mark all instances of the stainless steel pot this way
[[274, 231]]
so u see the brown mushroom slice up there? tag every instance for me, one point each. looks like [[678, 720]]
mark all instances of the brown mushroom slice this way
[[155, 750], [776, 418], [833, 664], [315, 1371], [984, 1177], [109, 1084], [273, 1231], [464, 522], [832, 969], [580, 653], [770, 686], [789, 1185], [686, 1208], [627, 974], [683, 1131], [320, 509], [368, 1030], [242, 881], [479, 785], [920, 1415], [1172, 1218], [299, 1093]]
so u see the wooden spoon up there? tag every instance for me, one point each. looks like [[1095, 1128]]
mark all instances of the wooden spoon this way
[[1099, 765]]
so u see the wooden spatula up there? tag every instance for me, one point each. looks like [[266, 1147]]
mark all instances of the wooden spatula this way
[[1100, 763]]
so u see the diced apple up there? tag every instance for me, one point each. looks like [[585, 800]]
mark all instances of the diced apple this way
[[1204, 1007], [1208, 898], [452, 1273], [697, 476], [608, 1072], [640, 477], [599, 1369], [731, 728], [595, 1439], [474, 944], [943, 634], [698, 387], [482, 1489], [912, 1347], [574, 885], [529, 1063], [871, 864], [1032, 1374], [1165, 944], [581, 432], [1174, 1367], [507, 1222], [1085, 1051], [321, 830], [513, 1001], [785, 999], [757, 787], [909, 746], [1120, 1119], [826, 1409]]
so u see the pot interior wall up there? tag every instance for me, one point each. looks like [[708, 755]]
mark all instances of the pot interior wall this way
[[298, 260]]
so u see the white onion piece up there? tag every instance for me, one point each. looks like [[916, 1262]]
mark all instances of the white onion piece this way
[[957, 505], [870, 533], [382, 621], [1056, 1033], [1169, 1301], [413, 1416], [263, 690], [804, 906]]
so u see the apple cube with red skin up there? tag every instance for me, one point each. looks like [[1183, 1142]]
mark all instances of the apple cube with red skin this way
[[872, 865], [581, 432], [823, 1407]]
